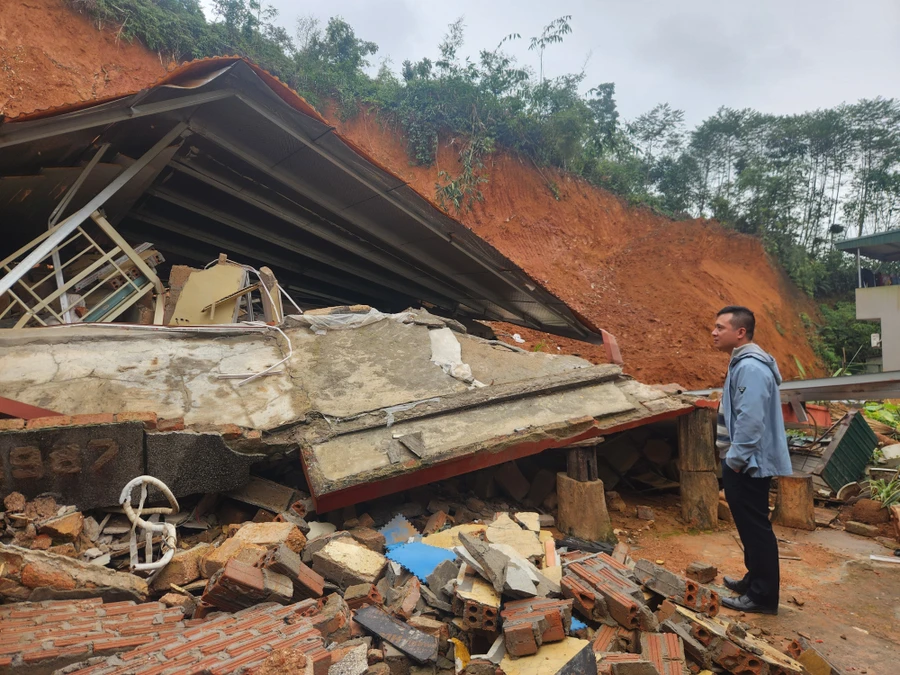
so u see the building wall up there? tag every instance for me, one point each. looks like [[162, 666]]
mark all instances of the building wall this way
[[882, 303]]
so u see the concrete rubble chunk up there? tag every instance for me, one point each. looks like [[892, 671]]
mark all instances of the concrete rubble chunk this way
[[360, 595], [231, 549], [319, 529], [530, 520], [40, 570], [307, 582], [504, 530], [265, 494], [371, 539], [702, 573], [420, 647], [862, 529], [445, 571], [435, 600], [270, 535], [490, 562], [182, 569], [14, 502], [346, 562], [349, 660], [63, 528]]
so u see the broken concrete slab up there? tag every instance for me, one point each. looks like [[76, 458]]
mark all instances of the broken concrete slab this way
[[265, 494], [419, 646], [175, 458], [30, 572], [552, 658], [505, 531], [86, 465], [490, 562], [530, 520], [345, 562]]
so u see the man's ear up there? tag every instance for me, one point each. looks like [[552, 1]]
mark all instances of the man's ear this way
[[741, 332]]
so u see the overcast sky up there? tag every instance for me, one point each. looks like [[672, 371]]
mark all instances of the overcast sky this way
[[778, 56]]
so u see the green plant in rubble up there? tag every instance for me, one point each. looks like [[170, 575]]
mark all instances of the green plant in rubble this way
[[884, 491], [884, 412]]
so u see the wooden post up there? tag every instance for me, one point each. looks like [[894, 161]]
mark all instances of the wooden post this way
[[582, 509], [697, 441], [794, 505], [697, 464], [700, 499], [581, 463]]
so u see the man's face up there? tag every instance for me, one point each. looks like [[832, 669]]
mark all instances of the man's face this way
[[725, 336]]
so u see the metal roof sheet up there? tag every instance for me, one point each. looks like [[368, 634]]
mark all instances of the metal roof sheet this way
[[282, 187], [880, 246]]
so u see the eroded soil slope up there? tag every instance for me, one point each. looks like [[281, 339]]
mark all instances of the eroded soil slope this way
[[655, 284], [50, 55]]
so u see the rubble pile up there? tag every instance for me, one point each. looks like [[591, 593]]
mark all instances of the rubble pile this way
[[402, 589]]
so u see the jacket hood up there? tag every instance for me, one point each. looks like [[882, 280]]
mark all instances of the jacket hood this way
[[754, 351]]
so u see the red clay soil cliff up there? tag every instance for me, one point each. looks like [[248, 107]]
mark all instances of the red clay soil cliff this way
[[654, 283]]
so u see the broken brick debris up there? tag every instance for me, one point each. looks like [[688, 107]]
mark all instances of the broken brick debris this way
[[346, 563], [527, 624], [679, 590], [26, 572], [239, 585], [360, 595], [56, 633], [225, 643], [307, 582], [702, 573], [419, 646], [665, 651]]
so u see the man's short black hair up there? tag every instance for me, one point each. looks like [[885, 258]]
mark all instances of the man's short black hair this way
[[741, 317]]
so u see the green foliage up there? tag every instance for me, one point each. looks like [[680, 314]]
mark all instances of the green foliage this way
[[844, 343], [884, 412], [884, 491]]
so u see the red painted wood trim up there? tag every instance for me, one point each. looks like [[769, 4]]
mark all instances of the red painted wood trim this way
[[11, 408], [464, 464]]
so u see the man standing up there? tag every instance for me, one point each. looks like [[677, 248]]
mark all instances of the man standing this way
[[753, 447]]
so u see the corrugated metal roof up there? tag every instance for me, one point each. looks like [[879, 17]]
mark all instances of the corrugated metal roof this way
[[263, 175], [879, 246], [845, 459]]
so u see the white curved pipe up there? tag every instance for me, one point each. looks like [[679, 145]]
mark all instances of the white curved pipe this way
[[167, 529]]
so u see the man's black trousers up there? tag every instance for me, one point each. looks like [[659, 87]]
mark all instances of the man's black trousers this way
[[748, 499]]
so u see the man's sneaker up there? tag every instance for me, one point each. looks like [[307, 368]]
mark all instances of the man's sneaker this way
[[745, 604], [739, 586]]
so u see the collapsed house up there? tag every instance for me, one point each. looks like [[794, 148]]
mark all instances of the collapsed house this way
[[343, 354]]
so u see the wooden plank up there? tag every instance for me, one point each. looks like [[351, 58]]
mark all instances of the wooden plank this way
[[700, 498], [794, 503], [273, 310]]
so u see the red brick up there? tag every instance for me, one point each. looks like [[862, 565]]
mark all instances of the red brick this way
[[120, 644], [147, 418], [253, 434], [250, 644], [237, 663], [40, 655], [230, 432], [12, 424], [5, 661], [174, 424], [96, 418], [520, 640], [45, 422], [41, 575]]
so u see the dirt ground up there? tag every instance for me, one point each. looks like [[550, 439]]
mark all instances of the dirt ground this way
[[851, 605]]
